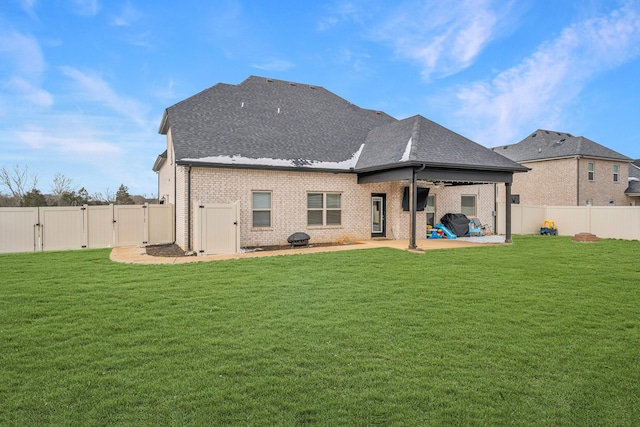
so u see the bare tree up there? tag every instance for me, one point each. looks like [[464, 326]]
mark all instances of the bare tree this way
[[109, 196], [60, 185], [18, 182]]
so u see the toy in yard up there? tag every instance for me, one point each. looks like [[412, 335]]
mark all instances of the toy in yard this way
[[439, 231], [549, 228]]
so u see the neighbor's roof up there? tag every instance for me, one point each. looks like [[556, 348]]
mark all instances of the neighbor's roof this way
[[633, 189], [417, 140], [268, 122], [545, 144]]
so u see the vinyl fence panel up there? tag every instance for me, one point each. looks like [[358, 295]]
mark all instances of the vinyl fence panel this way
[[75, 227], [609, 222], [62, 228], [130, 225], [160, 224], [19, 230], [100, 226]]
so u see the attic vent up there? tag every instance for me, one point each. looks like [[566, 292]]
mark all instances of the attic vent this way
[[312, 87], [505, 147], [534, 135], [270, 80], [563, 140], [547, 132], [559, 133], [378, 113], [292, 84]]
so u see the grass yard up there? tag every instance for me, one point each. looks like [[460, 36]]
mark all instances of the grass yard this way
[[542, 332]]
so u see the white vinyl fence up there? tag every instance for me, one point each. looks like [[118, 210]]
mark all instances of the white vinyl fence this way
[[611, 222], [75, 227]]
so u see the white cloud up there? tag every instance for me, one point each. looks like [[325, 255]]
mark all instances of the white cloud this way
[[32, 94], [443, 37], [23, 52], [29, 7], [535, 92], [25, 67], [78, 139], [86, 7], [95, 89], [274, 65], [339, 12], [127, 17]]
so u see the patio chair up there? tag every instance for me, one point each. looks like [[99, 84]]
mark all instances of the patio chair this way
[[476, 227]]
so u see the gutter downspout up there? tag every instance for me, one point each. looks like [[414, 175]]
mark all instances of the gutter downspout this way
[[189, 249], [414, 202], [578, 157], [507, 187]]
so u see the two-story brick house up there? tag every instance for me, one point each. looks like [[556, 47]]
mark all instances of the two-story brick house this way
[[255, 162], [567, 170], [633, 190]]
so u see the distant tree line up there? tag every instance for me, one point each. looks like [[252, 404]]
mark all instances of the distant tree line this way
[[19, 187]]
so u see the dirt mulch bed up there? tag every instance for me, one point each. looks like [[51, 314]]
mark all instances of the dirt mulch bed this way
[[173, 250]]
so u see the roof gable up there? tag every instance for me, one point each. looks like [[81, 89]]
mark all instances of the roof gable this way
[[545, 144], [417, 140]]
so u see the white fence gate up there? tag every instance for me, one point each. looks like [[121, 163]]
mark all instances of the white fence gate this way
[[75, 227], [612, 222], [216, 229]]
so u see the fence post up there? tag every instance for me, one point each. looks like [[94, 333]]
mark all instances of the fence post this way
[[145, 219]]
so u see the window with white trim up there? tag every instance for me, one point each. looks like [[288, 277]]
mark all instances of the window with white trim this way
[[591, 171], [616, 173], [324, 209], [261, 207], [468, 205]]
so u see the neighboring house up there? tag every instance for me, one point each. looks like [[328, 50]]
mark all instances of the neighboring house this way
[[253, 163], [633, 190], [567, 170]]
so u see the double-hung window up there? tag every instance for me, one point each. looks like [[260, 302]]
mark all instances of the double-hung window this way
[[591, 171], [324, 209], [261, 206], [468, 205], [616, 173]]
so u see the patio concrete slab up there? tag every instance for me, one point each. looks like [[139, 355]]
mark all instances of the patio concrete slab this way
[[138, 255]]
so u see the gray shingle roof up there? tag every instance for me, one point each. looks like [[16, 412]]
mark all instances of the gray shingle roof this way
[[634, 171], [269, 120], [545, 144], [633, 189], [265, 122], [417, 140]]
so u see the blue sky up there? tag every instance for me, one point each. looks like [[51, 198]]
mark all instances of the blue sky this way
[[84, 83]]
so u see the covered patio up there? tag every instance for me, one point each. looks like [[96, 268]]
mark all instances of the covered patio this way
[[433, 154]]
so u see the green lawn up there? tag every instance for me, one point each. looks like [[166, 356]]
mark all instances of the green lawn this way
[[542, 332]]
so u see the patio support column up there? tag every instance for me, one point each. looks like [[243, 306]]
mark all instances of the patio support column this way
[[413, 199], [507, 204]]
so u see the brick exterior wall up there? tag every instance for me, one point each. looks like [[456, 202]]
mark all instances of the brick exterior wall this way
[[289, 203], [555, 183]]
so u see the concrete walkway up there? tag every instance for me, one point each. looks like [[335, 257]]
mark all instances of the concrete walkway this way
[[138, 255]]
